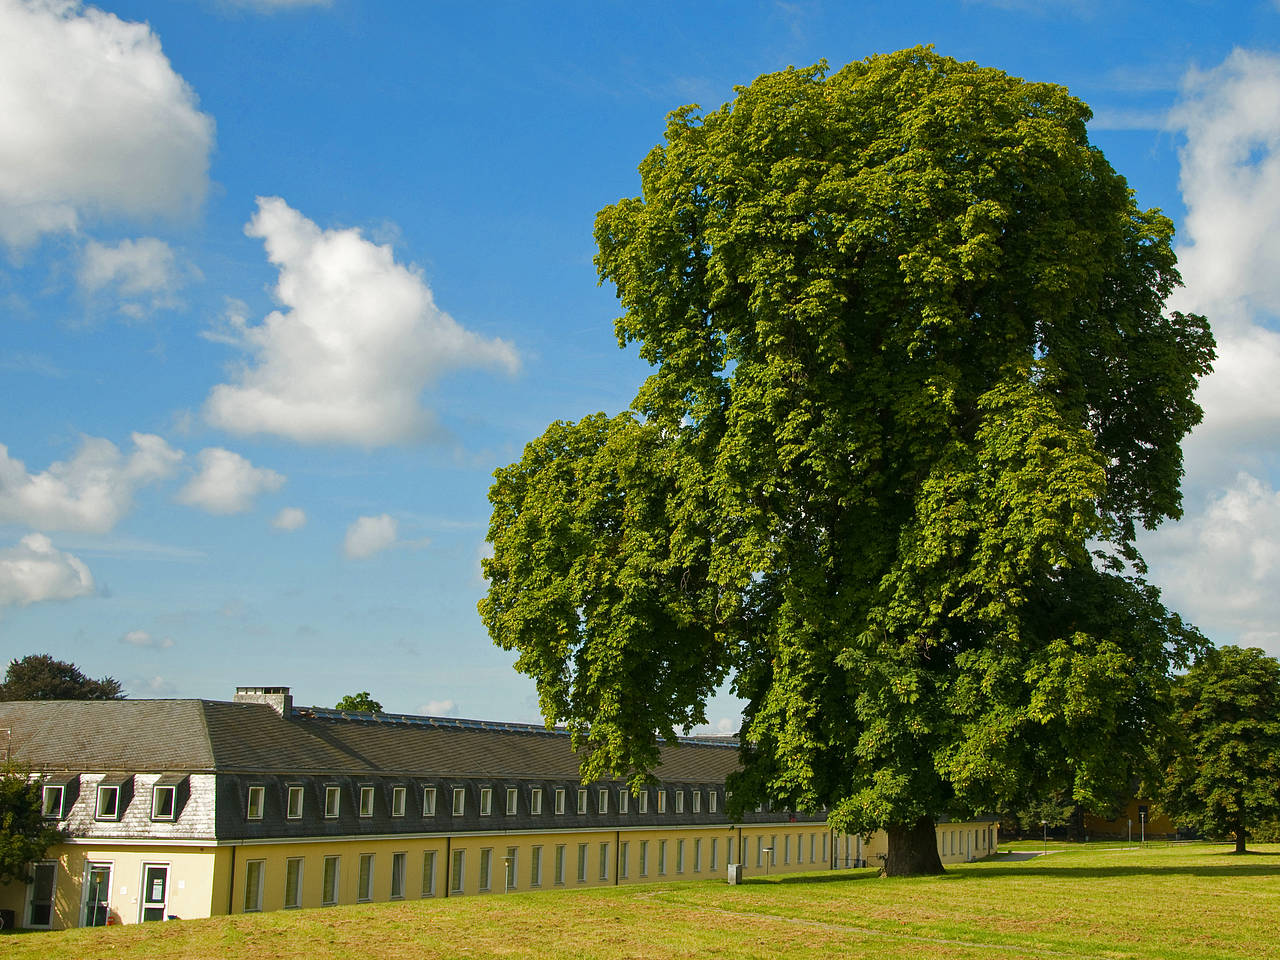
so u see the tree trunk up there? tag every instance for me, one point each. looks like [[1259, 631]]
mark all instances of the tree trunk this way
[[913, 849]]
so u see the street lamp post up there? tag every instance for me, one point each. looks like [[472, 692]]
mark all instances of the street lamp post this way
[[1142, 817], [1044, 825], [506, 874]]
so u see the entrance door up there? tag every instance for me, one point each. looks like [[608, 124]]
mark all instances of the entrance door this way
[[40, 901], [155, 890], [97, 894]]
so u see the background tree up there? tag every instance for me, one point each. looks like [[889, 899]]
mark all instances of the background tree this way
[[41, 677], [24, 833], [359, 703], [1224, 777], [911, 364]]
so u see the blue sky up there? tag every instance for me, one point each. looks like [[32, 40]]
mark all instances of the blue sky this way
[[281, 283]]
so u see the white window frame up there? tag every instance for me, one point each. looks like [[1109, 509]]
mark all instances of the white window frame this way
[[428, 873], [715, 850], [29, 900], [642, 804], [364, 878], [697, 801], [582, 800], [255, 803], [624, 800], [366, 801], [604, 861], [48, 810], [680, 855], [330, 896], [458, 872], [662, 858], [662, 801], [624, 851], [559, 866], [535, 801], [582, 862], [112, 790], [486, 801], [289, 864], [399, 800], [535, 865], [513, 801], [332, 802], [644, 858], [254, 904], [398, 861], [156, 791], [679, 800], [511, 864], [697, 854], [560, 798], [293, 810], [713, 804], [486, 869], [602, 800], [428, 801], [459, 801]]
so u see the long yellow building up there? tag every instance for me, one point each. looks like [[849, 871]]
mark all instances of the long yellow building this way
[[195, 808]]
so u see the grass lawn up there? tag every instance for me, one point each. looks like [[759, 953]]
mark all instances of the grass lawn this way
[[1186, 901]]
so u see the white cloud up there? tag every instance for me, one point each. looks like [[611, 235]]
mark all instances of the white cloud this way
[[140, 638], [227, 482], [90, 492], [290, 518], [369, 535], [358, 340], [35, 571], [93, 122], [142, 273], [438, 708]]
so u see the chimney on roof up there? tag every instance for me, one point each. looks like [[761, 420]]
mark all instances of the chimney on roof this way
[[277, 698]]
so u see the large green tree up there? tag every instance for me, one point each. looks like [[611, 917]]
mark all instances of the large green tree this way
[[39, 676], [1224, 775], [914, 392], [25, 835]]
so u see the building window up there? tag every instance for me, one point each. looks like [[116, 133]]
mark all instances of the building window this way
[[535, 867], [642, 801], [293, 810], [743, 843], [429, 873], [759, 851], [364, 883], [662, 858], [332, 802], [486, 801], [509, 861], [108, 802], [582, 863], [715, 850], [428, 801], [680, 856], [513, 801], [459, 801], [624, 801], [456, 873], [712, 801], [697, 855], [257, 797], [644, 858], [624, 849], [293, 883], [44, 882], [51, 802], [813, 847], [486, 868], [398, 795], [163, 802], [680, 800], [773, 851], [824, 848], [535, 801], [366, 801], [559, 800], [559, 864], [604, 861], [697, 801], [662, 801], [253, 870], [582, 800], [602, 800], [397, 876], [329, 882]]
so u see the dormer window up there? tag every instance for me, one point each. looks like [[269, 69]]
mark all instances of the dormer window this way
[[257, 800], [51, 801], [164, 802], [366, 801], [108, 802]]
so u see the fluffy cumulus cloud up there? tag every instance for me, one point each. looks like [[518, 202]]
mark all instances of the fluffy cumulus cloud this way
[[226, 482], [89, 492], [142, 274], [78, 83], [290, 518], [356, 341], [439, 708], [35, 571], [140, 638], [369, 535]]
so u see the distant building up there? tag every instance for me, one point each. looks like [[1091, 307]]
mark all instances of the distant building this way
[[1139, 818], [196, 808]]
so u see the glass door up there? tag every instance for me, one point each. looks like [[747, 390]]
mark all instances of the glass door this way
[[97, 894], [155, 890], [40, 902]]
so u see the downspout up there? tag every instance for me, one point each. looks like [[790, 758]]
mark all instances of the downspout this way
[[448, 865], [231, 887], [617, 854]]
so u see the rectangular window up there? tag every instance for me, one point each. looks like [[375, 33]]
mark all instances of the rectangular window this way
[[624, 801], [293, 810], [332, 802], [535, 867], [602, 800], [40, 903], [560, 864], [486, 868], [486, 801], [680, 801], [786, 848], [644, 858], [582, 863], [713, 799], [329, 885], [824, 848], [582, 801], [680, 856], [743, 843], [697, 855], [51, 802], [366, 801], [509, 861], [428, 801], [459, 801], [642, 801], [397, 876], [759, 851], [773, 851], [293, 883], [662, 801], [604, 861], [697, 801], [715, 851], [253, 870], [398, 795], [364, 885], [624, 851], [662, 857], [813, 847], [429, 873], [163, 802], [456, 873], [559, 800], [513, 801], [535, 801], [108, 802], [257, 797]]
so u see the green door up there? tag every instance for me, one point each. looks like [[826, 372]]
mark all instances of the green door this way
[[97, 893], [155, 891]]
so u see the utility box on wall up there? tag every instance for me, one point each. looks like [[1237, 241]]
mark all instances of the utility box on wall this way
[[735, 873]]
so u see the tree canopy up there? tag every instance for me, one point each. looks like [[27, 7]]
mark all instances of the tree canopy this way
[[25, 834], [1225, 768], [39, 676], [914, 393], [359, 703]]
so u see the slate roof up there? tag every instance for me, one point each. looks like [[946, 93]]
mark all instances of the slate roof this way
[[219, 736]]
